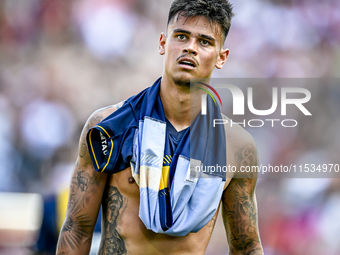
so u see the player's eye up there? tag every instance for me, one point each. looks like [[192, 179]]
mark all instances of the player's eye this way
[[205, 43], [181, 37]]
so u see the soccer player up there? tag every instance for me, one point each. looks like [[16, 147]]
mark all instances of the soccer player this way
[[134, 159]]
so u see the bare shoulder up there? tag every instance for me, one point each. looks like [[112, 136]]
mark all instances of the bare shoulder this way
[[100, 114], [241, 146], [237, 136], [96, 117]]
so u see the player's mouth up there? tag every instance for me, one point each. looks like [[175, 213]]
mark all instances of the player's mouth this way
[[187, 63]]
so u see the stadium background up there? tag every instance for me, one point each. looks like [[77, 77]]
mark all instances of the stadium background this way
[[61, 60]]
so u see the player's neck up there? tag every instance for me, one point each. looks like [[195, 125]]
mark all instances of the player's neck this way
[[177, 104]]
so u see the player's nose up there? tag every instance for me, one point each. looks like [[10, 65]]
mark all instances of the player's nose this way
[[190, 47]]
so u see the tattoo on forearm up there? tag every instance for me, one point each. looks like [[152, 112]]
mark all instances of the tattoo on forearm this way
[[241, 217], [112, 243], [78, 225], [62, 253], [73, 230], [254, 251], [239, 209]]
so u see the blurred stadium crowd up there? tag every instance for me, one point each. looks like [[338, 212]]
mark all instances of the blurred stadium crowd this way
[[60, 60]]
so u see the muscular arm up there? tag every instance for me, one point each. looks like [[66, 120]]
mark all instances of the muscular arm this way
[[86, 192], [239, 209]]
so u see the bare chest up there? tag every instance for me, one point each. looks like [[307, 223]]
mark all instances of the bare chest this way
[[124, 229]]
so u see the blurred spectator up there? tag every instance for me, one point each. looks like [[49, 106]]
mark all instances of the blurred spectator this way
[[61, 60], [45, 127], [106, 26]]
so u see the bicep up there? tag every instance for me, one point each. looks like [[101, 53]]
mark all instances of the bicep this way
[[86, 191]]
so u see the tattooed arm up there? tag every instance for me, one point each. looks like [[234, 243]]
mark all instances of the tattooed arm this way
[[86, 192], [239, 209]]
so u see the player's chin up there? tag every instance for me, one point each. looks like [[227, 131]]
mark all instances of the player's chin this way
[[181, 81], [185, 75]]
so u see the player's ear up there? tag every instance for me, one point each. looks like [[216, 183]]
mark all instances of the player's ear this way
[[222, 58], [162, 41]]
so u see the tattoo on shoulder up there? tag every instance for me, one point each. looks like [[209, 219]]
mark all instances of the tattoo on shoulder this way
[[246, 156], [84, 156], [113, 243], [95, 119], [82, 150]]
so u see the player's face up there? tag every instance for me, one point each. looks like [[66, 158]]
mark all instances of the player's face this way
[[192, 49]]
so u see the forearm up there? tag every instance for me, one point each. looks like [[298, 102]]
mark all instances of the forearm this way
[[85, 197], [70, 243], [75, 236], [254, 249], [83, 206]]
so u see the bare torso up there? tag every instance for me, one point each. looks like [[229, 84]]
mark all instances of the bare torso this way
[[124, 233], [122, 230]]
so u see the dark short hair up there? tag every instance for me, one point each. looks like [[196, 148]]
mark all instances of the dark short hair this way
[[219, 11]]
